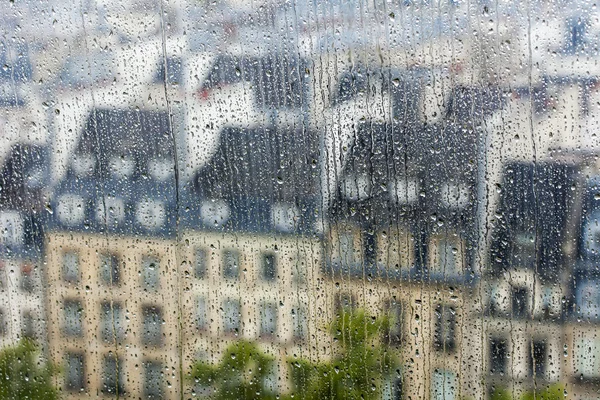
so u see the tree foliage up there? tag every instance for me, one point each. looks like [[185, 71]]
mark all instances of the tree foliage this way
[[552, 392], [24, 375], [357, 370], [243, 373]]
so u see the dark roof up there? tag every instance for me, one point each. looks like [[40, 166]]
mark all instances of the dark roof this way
[[25, 174], [111, 137], [279, 80], [253, 172]]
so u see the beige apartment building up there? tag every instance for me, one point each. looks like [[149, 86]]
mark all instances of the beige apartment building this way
[[113, 312], [127, 313], [434, 330], [263, 288]]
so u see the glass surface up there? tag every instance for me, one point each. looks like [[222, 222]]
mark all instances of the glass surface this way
[[269, 199]]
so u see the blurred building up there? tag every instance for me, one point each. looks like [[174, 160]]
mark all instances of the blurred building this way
[[110, 256], [22, 217]]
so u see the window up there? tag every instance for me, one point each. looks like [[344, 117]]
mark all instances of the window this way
[[201, 316], [231, 264], [152, 326], [269, 269], [519, 302], [232, 315], [3, 323], [300, 271], [112, 375], [112, 327], [444, 385], [150, 274], [73, 318], [75, 372], [395, 310], [153, 380], [537, 359], [28, 325], [70, 269], [498, 356], [268, 319], [27, 278], [200, 260], [445, 325], [346, 248], [587, 357], [299, 322], [109, 269], [369, 242]]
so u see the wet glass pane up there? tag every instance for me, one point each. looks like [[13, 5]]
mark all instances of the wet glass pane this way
[[268, 199]]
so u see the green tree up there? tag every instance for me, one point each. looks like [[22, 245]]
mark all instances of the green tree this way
[[501, 393], [552, 392], [243, 373], [358, 369], [23, 375]]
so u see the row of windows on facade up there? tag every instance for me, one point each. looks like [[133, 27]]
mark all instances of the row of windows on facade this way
[[446, 254], [519, 307], [113, 328], [444, 334], [152, 213], [110, 268], [113, 382], [536, 357], [27, 282], [28, 324], [112, 320], [443, 386]]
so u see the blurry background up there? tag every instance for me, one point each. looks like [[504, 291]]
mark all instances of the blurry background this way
[[300, 199]]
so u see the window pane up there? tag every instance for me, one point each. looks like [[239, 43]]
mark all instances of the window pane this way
[[75, 370], [109, 269], [231, 316], [269, 269], [153, 380], [152, 326], [200, 260], [70, 267], [231, 264], [112, 375], [73, 318], [111, 324], [150, 274], [268, 319]]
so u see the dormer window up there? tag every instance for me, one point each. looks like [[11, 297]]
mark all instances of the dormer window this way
[[455, 195], [214, 212], [122, 167], [11, 228], [151, 214], [83, 165], [110, 211], [285, 217], [160, 169], [404, 190], [70, 209], [356, 187]]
